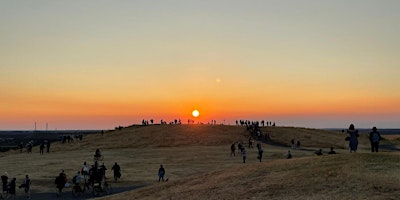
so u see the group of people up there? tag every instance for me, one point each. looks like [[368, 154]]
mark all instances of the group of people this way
[[87, 176], [374, 138], [242, 150], [9, 187]]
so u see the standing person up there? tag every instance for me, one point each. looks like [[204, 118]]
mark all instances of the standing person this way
[[85, 170], [12, 185], [161, 173], [251, 142], [60, 183], [233, 149], [4, 180], [353, 138], [41, 148], [244, 155], [260, 153], [292, 142], [117, 171], [374, 138], [27, 185], [298, 144]]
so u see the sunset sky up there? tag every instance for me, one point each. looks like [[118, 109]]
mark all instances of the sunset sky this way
[[100, 64]]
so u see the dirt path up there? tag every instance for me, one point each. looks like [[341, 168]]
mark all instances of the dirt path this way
[[67, 194]]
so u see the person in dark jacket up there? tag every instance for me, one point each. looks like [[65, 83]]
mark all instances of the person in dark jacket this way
[[60, 183], [161, 173], [11, 188], [374, 138]]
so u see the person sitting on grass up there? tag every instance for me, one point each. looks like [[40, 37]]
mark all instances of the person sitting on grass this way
[[289, 155], [319, 152], [332, 151]]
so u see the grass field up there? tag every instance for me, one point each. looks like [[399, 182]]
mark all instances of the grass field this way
[[199, 166]]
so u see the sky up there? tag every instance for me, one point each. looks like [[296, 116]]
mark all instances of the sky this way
[[101, 64]]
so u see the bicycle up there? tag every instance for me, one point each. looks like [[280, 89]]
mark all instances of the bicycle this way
[[99, 189], [78, 191]]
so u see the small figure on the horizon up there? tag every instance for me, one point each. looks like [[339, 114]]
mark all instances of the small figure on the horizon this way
[[233, 149], [353, 138], [374, 138], [102, 132], [117, 171], [161, 173], [244, 155], [332, 151], [319, 152], [260, 153], [292, 143], [289, 155]]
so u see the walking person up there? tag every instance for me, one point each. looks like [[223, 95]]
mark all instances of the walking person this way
[[117, 171], [244, 155], [27, 186], [374, 138], [161, 173], [60, 183], [233, 149], [260, 154]]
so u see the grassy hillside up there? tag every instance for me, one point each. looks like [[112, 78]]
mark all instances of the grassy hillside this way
[[198, 163], [345, 176]]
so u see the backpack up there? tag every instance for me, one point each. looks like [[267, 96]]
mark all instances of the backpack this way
[[375, 137]]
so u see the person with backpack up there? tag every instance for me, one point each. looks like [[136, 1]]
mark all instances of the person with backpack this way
[[374, 138]]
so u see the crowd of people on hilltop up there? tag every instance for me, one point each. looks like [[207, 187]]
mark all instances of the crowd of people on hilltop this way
[[253, 127]]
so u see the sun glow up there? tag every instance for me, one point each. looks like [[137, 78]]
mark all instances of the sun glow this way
[[195, 113]]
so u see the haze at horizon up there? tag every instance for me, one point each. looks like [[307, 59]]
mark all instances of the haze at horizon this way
[[100, 64]]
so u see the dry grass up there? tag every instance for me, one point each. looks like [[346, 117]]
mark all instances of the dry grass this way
[[199, 166]]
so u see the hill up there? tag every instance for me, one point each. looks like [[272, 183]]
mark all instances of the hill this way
[[199, 155]]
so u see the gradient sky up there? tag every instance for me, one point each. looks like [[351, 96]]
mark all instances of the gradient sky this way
[[100, 64]]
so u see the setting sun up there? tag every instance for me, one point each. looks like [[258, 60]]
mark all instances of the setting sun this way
[[195, 113]]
